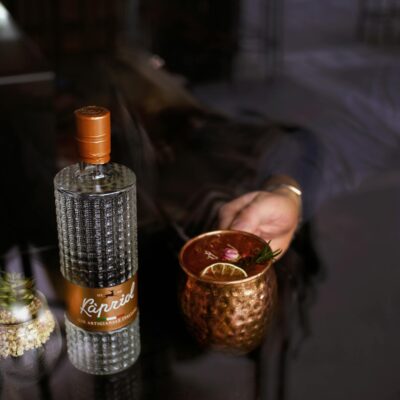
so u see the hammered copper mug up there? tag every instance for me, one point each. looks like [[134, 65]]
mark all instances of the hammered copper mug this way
[[230, 315]]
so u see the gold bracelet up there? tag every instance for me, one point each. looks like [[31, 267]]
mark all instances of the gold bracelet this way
[[293, 189]]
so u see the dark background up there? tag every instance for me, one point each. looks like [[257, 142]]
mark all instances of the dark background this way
[[198, 91]]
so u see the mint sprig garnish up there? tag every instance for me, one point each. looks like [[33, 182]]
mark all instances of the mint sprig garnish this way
[[266, 254]]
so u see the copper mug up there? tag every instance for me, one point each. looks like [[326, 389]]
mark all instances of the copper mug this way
[[228, 314]]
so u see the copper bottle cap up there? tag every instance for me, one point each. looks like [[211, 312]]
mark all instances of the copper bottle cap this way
[[93, 135]]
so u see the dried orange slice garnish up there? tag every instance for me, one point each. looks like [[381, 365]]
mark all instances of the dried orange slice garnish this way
[[223, 272]]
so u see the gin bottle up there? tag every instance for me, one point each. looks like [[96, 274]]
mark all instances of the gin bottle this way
[[96, 220]]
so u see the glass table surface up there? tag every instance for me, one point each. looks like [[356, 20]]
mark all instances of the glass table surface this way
[[335, 333]]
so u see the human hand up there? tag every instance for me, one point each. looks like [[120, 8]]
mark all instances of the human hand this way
[[271, 215]]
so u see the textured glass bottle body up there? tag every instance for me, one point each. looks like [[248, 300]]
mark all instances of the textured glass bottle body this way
[[97, 232]]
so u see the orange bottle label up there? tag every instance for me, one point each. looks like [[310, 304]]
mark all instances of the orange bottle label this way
[[102, 309]]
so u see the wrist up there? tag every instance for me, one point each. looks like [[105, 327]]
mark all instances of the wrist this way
[[286, 186], [285, 190]]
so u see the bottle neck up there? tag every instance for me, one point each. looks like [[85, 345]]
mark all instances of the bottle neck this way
[[95, 171]]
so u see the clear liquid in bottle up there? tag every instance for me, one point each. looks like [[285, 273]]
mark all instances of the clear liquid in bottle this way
[[97, 232]]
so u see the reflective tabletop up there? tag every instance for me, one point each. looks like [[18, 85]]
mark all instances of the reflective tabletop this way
[[335, 333]]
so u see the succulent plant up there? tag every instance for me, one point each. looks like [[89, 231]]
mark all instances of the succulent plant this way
[[25, 321], [16, 289]]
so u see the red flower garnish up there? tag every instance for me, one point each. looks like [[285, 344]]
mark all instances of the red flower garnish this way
[[230, 254]]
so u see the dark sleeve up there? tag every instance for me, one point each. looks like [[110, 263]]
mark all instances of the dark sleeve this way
[[300, 155], [328, 164]]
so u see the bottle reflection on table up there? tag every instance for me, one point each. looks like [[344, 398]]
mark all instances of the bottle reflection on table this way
[[123, 385]]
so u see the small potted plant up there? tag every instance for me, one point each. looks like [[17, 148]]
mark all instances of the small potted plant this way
[[26, 325]]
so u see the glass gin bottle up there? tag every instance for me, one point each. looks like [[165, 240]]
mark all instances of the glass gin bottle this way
[[96, 220]]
